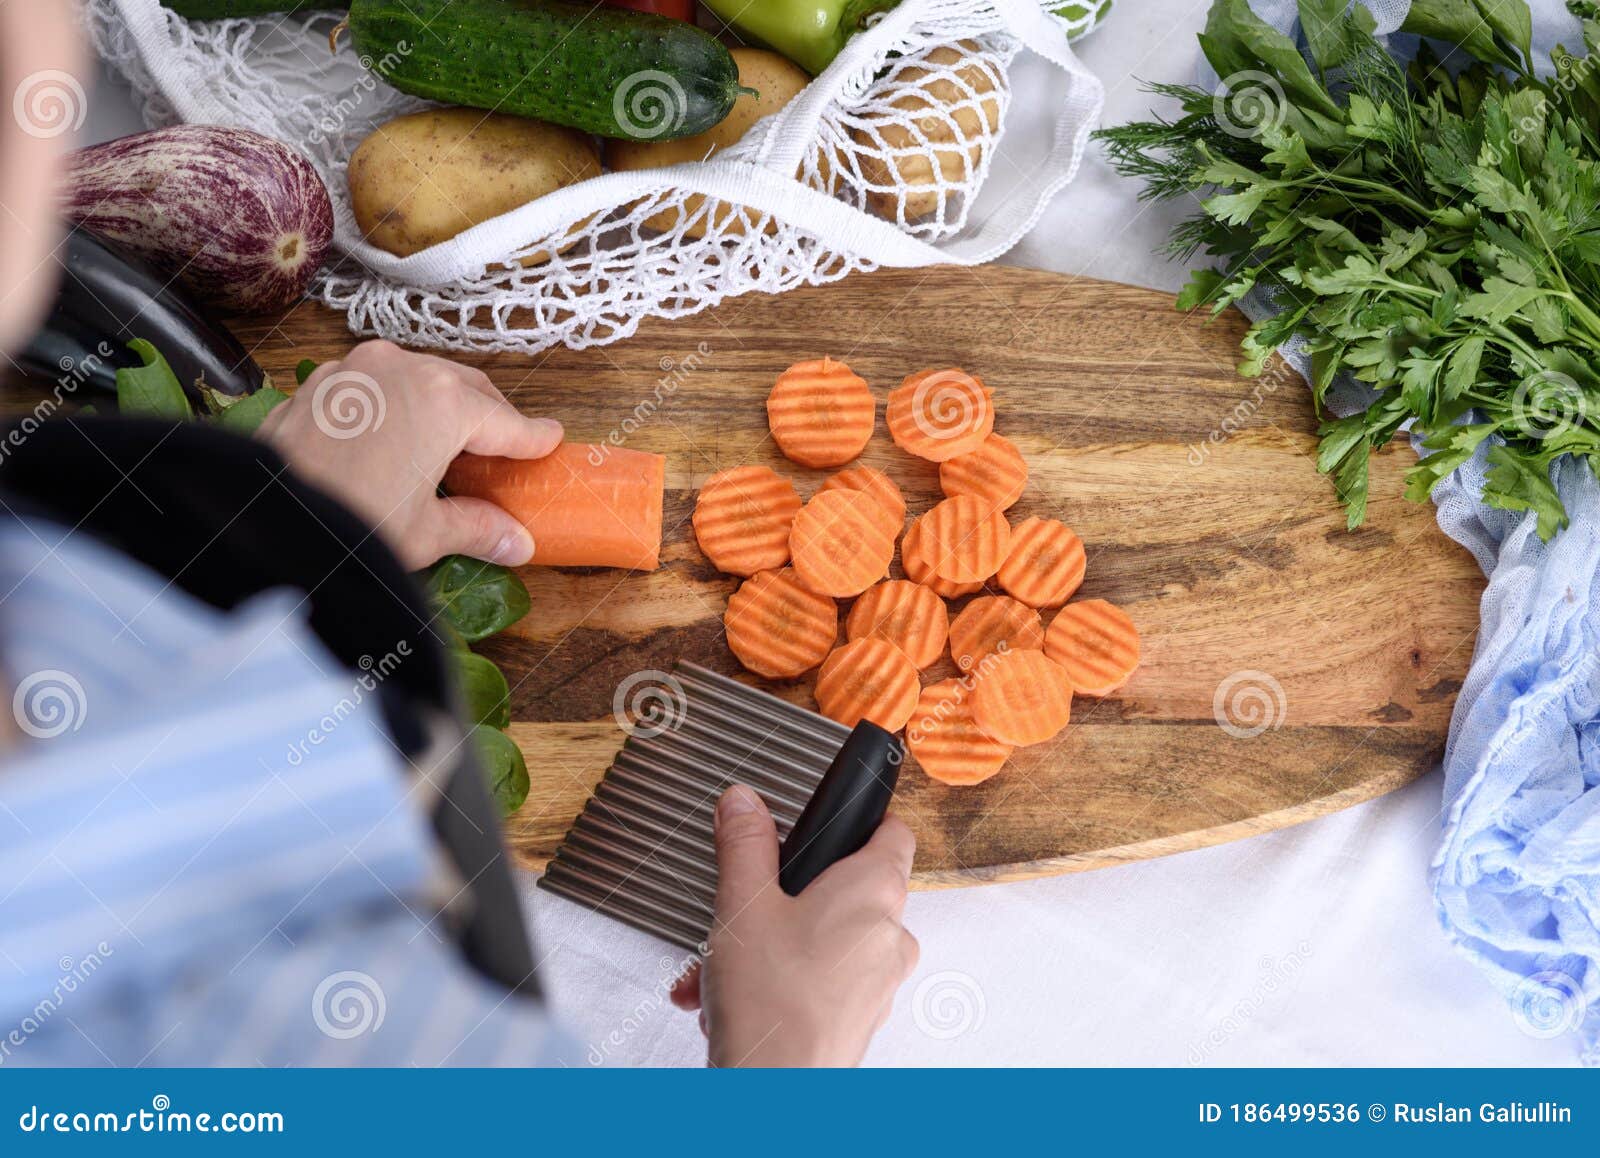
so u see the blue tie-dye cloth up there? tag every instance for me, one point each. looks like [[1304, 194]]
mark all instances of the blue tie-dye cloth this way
[[1517, 877]]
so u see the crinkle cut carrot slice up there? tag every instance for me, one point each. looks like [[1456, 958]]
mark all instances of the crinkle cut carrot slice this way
[[963, 541], [841, 543], [868, 679], [993, 623], [1021, 697], [1045, 563], [995, 473], [939, 414], [875, 483], [906, 614], [1096, 643], [778, 628], [914, 560], [821, 413], [742, 518], [947, 742]]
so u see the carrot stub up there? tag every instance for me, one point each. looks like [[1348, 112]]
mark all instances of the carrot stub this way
[[842, 543], [777, 628], [821, 413], [868, 679], [903, 613], [914, 559], [875, 483], [1045, 563], [1021, 697], [992, 623], [1097, 645], [995, 473], [742, 518], [585, 506], [946, 740], [963, 541], [938, 414]]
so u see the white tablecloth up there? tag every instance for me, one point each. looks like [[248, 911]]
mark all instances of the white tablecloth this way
[[1314, 945]]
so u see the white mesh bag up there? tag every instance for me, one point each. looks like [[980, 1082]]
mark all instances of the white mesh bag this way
[[877, 163]]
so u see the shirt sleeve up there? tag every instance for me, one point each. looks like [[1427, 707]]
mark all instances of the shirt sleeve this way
[[210, 850]]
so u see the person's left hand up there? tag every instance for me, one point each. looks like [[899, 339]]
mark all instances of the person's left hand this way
[[378, 429]]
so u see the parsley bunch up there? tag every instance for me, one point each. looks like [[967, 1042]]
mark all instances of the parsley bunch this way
[[1432, 229]]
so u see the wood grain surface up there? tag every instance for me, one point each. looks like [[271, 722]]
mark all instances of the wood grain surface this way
[[1291, 668]]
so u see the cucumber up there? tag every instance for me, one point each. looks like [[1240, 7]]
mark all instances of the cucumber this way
[[224, 9], [607, 71]]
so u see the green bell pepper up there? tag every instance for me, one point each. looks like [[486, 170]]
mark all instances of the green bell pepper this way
[[808, 32], [811, 32]]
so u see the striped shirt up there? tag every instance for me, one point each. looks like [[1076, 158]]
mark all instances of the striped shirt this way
[[211, 853]]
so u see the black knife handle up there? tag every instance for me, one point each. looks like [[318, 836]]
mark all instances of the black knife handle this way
[[846, 808]]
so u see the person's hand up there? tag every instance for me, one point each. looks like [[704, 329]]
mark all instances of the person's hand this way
[[378, 429], [807, 980]]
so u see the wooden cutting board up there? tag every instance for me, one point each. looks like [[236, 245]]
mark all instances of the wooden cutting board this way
[[1331, 659]]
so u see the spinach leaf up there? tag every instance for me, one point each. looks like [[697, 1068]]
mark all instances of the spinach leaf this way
[[304, 370], [476, 598], [151, 389], [243, 416], [484, 691], [503, 768]]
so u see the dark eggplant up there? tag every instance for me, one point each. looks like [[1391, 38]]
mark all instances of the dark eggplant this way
[[105, 300]]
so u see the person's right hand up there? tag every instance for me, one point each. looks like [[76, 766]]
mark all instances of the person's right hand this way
[[379, 428], [807, 980]]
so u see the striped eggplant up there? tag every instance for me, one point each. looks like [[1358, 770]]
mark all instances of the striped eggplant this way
[[242, 220]]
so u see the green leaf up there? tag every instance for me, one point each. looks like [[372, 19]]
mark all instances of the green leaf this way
[[1499, 301], [245, 415], [1517, 481], [1322, 22], [151, 389], [504, 769], [1459, 22], [1548, 318], [477, 598], [1512, 20], [1279, 55], [1339, 438], [485, 694], [1350, 484], [1462, 370], [1237, 208], [1200, 289], [304, 370], [1451, 447]]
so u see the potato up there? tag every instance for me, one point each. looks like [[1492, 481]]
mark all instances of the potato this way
[[774, 78], [423, 178], [932, 97]]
